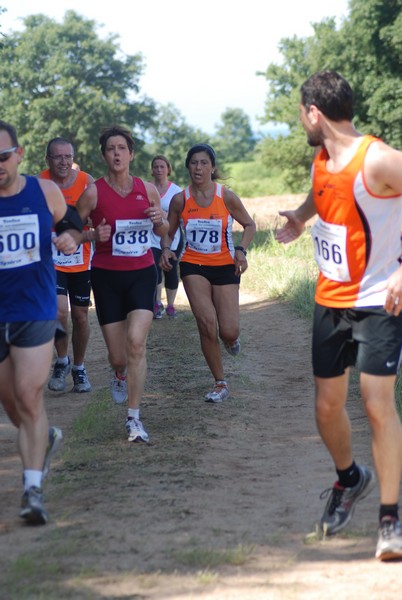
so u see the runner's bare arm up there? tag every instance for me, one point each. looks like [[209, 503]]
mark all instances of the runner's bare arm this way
[[175, 209], [68, 240], [87, 203], [240, 214], [296, 220], [155, 212], [383, 176], [383, 170]]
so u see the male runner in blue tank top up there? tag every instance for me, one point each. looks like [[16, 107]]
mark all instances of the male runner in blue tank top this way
[[29, 209]]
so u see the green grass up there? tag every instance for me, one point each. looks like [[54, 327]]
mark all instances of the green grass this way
[[214, 557], [282, 272]]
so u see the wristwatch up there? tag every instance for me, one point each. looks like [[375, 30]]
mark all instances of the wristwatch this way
[[242, 249]]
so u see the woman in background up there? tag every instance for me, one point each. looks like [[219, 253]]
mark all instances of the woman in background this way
[[161, 170]]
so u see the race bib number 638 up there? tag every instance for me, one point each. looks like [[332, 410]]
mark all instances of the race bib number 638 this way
[[132, 237]]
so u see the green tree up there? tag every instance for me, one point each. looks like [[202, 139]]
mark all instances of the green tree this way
[[61, 79], [366, 49], [301, 58], [172, 136], [234, 140], [372, 64]]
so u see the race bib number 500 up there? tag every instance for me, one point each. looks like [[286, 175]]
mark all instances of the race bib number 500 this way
[[330, 250], [19, 241]]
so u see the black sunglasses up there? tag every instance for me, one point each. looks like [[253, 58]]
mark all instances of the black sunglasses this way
[[5, 154]]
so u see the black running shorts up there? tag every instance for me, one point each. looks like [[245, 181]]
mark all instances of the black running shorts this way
[[117, 293], [76, 284], [222, 275], [368, 338]]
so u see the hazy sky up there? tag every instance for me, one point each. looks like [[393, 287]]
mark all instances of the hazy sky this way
[[200, 56]]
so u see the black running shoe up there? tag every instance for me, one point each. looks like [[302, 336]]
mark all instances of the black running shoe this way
[[342, 501]]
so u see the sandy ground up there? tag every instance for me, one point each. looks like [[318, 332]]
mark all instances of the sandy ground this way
[[221, 505]]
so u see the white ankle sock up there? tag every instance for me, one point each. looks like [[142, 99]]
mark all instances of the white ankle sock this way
[[32, 478], [134, 413]]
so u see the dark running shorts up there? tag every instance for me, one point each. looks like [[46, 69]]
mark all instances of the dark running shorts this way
[[368, 338], [77, 285], [224, 275], [171, 277], [25, 334], [117, 293]]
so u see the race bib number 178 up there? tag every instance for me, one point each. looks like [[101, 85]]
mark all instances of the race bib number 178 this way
[[204, 235]]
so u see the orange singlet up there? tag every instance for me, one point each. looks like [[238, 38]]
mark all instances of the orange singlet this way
[[81, 259], [208, 231], [357, 236]]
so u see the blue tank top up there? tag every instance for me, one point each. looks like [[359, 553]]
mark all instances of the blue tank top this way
[[27, 274]]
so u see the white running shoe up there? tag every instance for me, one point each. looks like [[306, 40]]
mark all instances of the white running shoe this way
[[55, 439], [389, 546], [219, 393], [118, 387], [234, 349], [136, 431]]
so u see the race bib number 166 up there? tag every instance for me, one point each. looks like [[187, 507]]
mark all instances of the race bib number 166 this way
[[330, 250]]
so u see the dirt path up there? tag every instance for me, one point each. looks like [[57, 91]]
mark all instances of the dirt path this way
[[219, 506]]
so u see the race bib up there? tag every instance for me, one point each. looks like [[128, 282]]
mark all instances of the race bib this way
[[132, 237], [67, 260], [204, 235], [330, 250], [19, 241]]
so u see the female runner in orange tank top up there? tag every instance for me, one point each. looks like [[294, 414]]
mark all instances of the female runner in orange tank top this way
[[211, 266]]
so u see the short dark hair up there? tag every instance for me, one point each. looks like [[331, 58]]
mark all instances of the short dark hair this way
[[201, 148], [109, 132], [330, 93], [162, 157], [57, 140], [12, 132]]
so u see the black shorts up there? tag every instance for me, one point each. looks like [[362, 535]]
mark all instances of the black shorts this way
[[368, 338], [117, 293], [76, 284], [25, 334], [171, 277], [224, 275]]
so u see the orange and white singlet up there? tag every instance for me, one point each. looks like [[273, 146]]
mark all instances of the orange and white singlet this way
[[357, 237], [81, 259], [208, 231]]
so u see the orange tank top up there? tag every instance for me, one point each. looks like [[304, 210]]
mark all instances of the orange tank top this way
[[208, 230], [357, 235], [81, 259]]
